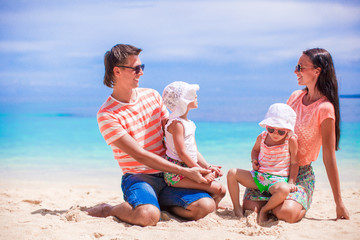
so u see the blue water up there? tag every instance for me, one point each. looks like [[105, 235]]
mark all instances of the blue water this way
[[69, 142], [31, 141]]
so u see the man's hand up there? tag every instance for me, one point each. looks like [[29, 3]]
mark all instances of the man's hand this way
[[196, 174]]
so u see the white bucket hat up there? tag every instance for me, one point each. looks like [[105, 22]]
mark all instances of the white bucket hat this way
[[177, 96], [280, 115]]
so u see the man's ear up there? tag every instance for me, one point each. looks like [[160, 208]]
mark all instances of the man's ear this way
[[116, 71]]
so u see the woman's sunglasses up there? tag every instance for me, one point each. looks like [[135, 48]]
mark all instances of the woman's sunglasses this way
[[299, 67], [272, 130], [136, 68]]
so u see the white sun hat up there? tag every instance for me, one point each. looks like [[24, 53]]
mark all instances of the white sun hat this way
[[280, 115], [177, 96]]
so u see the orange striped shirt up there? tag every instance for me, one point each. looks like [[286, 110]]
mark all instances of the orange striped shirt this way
[[141, 119], [274, 159]]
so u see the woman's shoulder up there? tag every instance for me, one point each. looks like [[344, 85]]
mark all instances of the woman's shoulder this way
[[296, 95], [326, 109]]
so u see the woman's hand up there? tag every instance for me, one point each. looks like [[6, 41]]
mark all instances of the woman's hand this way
[[342, 212]]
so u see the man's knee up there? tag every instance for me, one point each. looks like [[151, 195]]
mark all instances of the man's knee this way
[[201, 208], [147, 215]]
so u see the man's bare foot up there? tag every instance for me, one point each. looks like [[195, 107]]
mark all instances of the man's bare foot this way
[[100, 210], [262, 217]]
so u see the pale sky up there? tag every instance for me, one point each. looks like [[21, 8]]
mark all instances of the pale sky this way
[[52, 51]]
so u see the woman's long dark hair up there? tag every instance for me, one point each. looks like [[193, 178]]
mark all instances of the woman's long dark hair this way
[[327, 82]]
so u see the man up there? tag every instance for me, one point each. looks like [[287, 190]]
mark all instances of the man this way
[[131, 123]]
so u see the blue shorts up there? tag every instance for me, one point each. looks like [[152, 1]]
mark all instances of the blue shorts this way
[[139, 189]]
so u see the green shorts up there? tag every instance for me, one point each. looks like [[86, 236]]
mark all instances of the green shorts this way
[[172, 178], [265, 180], [305, 183]]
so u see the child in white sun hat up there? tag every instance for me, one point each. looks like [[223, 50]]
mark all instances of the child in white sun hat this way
[[180, 97], [274, 161]]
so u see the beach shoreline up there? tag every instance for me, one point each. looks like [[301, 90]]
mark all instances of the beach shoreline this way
[[52, 209]]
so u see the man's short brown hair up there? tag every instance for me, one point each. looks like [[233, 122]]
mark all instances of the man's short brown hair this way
[[118, 55]]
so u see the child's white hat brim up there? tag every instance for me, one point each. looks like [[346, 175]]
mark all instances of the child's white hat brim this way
[[280, 115], [177, 96]]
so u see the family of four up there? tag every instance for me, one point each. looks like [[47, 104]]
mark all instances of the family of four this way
[[175, 177]]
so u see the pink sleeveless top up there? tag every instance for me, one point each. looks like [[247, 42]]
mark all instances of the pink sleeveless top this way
[[274, 159]]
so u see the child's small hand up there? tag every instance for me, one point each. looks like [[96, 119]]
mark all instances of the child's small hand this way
[[255, 165], [210, 177], [293, 187]]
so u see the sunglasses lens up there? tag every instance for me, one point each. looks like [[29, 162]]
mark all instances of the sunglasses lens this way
[[298, 68], [138, 68], [281, 132], [270, 130]]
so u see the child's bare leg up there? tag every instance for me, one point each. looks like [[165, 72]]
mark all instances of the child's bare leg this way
[[279, 192], [234, 177], [215, 189]]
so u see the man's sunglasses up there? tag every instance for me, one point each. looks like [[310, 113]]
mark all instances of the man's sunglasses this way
[[299, 67], [272, 130], [136, 68]]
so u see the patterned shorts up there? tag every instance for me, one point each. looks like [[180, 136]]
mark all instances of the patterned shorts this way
[[265, 180], [172, 178], [305, 182]]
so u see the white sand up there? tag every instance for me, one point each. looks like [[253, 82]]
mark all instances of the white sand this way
[[34, 209]]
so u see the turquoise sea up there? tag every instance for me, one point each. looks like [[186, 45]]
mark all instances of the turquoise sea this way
[[35, 143]]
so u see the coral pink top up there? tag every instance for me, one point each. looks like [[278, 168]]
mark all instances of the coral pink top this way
[[308, 125], [141, 120]]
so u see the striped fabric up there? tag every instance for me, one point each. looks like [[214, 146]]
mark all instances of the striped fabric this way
[[275, 159], [141, 119]]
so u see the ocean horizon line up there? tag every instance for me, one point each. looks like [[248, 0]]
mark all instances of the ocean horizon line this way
[[349, 96], [64, 115]]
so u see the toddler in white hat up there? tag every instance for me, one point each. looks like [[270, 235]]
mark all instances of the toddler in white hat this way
[[180, 98], [274, 161]]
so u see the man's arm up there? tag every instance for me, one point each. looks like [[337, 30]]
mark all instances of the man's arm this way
[[127, 144]]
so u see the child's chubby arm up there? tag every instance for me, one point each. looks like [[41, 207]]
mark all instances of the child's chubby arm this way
[[294, 166], [255, 153], [177, 130]]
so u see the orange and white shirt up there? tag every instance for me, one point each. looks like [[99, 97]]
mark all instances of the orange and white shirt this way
[[274, 160], [308, 125], [141, 119]]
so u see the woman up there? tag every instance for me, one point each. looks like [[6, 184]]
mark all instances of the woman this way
[[317, 124]]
